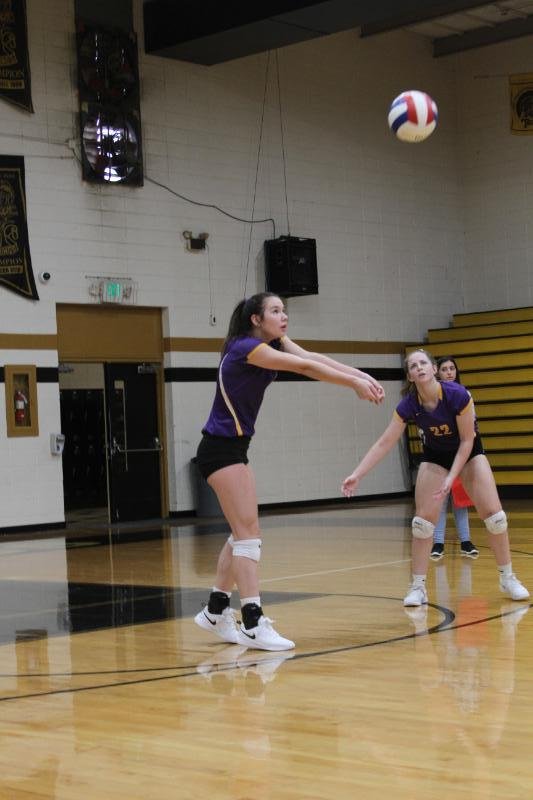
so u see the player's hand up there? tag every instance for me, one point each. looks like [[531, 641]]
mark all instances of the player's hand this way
[[349, 485], [443, 491], [381, 391], [369, 391], [378, 387]]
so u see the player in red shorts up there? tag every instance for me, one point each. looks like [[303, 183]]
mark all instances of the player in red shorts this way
[[447, 370]]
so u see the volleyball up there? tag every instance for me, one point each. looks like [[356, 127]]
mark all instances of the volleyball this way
[[413, 116]]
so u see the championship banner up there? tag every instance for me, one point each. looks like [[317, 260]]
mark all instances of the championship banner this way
[[15, 83], [15, 262], [521, 95]]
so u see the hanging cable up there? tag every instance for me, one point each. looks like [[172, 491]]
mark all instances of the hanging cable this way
[[212, 315], [259, 146], [283, 146], [70, 144], [209, 205]]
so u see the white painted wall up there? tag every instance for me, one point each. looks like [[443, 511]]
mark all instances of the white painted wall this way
[[497, 169], [391, 221]]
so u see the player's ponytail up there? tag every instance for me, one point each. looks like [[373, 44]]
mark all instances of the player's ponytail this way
[[240, 323]]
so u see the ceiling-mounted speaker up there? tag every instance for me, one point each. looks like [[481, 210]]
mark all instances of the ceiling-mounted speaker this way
[[290, 266], [110, 118]]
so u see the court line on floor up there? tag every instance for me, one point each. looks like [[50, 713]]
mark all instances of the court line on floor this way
[[333, 571], [449, 617], [360, 566], [444, 626]]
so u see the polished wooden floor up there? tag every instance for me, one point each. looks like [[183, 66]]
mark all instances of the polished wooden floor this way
[[109, 691]]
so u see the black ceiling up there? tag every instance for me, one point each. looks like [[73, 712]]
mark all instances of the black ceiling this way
[[212, 31]]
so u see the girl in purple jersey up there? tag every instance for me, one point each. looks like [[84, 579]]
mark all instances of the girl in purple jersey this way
[[444, 415], [255, 349]]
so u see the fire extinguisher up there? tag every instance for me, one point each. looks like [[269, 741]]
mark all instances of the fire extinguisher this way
[[20, 407]]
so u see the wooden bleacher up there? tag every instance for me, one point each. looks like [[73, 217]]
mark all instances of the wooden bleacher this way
[[494, 352]]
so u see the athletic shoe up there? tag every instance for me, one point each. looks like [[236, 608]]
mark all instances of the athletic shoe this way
[[263, 637], [469, 549], [222, 625], [437, 551], [511, 586], [416, 596]]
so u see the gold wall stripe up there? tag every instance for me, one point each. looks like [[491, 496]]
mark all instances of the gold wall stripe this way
[[49, 341], [176, 344], [28, 341], [184, 344]]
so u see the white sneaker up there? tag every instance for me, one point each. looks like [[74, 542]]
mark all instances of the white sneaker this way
[[511, 586], [263, 637], [222, 625], [416, 596]]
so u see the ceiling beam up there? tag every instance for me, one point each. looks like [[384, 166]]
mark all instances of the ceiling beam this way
[[116, 14], [409, 13], [211, 31], [483, 37]]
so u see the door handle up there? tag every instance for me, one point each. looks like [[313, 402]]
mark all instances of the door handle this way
[[116, 448]]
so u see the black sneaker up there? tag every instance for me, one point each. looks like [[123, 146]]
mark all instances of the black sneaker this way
[[468, 549], [437, 551]]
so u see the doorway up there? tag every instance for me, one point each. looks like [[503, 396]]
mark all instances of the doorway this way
[[111, 411], [133, 443], [112, 455]]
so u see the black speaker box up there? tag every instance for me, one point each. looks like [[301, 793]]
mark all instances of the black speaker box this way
[[290, 266]]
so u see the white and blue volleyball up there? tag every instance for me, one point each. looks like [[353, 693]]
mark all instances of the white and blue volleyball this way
[[413, 116]]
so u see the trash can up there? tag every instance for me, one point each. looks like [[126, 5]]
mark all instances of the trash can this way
[[205, 500]]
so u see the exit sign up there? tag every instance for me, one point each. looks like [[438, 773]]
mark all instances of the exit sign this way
[[115, 289], [112, 292]]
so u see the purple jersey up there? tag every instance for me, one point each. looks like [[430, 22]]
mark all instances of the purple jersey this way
[[438, 429], [240, 389]]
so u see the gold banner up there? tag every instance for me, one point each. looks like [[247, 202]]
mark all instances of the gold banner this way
[[15, 81], [15, 262], [521, 95]]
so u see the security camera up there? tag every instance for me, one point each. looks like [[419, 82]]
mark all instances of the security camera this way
[[44, 277]]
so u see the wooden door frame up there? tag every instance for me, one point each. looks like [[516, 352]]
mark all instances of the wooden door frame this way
[[98, 334]]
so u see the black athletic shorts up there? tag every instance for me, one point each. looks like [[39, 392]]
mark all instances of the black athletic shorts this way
[[215, 452], [445, 458]]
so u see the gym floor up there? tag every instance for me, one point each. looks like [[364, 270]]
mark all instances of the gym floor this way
[[109, 690]]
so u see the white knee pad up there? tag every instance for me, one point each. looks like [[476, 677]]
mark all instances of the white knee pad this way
[[231, 540], [422, 528], [247, 548], [497, 523]]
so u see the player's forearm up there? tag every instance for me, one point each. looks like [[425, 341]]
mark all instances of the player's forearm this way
[[377, 452], [324, 372], [461, 457]]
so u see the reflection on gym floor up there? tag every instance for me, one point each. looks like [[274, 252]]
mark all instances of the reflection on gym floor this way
[[109, 690]]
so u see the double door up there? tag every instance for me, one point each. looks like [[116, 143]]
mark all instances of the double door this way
[[113, 453], [112, 407]]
